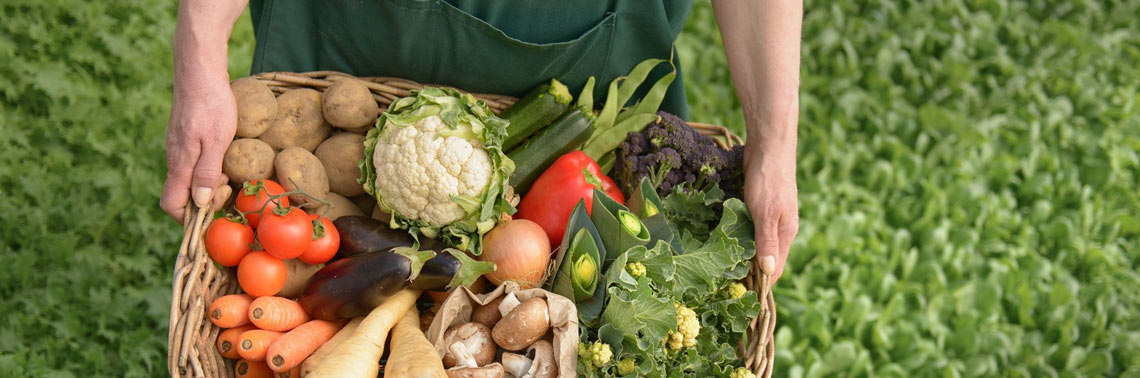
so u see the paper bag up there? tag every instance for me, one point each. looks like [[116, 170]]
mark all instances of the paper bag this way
[[457, 308]]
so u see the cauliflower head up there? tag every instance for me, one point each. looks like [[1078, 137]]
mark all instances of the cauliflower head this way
[[434, 162]]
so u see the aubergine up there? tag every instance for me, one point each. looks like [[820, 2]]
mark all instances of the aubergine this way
[[360, 234], [450, 269], [353, 286]]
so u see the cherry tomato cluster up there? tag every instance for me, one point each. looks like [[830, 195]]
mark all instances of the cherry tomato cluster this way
[[283, 232]]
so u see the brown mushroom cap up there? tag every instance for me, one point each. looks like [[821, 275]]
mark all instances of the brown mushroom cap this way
[[523, 326], [488, 314], [490, 371], [475, 337]]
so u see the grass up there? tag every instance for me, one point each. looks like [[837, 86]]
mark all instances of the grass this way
[[968, 175]]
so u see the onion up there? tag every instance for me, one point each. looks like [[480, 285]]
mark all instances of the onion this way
[[520, 250]]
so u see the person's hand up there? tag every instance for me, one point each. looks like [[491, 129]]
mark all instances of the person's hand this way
[[203, 120], [771, 195]]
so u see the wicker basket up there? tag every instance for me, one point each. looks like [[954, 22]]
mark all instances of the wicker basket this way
[[198, 281]]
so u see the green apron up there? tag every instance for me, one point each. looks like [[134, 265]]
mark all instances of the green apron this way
[[491, 46]]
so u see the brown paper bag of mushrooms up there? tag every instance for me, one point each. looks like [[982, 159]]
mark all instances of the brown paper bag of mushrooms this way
[[508, 332]]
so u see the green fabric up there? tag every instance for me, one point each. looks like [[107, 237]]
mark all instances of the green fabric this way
[[491, 46]]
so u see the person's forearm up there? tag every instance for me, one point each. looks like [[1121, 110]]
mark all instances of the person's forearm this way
[[200, 42], [762, 43]]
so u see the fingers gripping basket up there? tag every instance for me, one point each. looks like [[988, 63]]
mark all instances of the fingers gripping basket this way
[[198, 281]]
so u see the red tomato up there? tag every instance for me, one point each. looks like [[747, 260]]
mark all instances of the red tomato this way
[[326, 240], [260, 274], [228, 241], [286, 236], [254, 194]]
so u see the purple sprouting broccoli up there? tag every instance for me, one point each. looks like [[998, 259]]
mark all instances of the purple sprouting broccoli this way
[[671, 153]]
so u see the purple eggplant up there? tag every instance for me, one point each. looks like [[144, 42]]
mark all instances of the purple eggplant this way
[[359, 235], [353, 286]]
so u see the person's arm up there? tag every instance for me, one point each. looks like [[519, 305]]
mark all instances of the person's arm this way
[[203, 117], [762, 43]]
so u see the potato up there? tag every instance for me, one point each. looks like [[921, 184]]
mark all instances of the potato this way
[[256, 106], [364, 201], [340, 155], [341, 207], [299, 122], [297, 277], [349, 105], [295, 164], [248, 159]]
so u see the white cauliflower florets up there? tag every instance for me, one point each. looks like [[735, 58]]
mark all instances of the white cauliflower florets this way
[[418, 172]]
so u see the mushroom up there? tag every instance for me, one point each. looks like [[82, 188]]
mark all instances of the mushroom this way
[[494, 370], [474, 338], [523, 325], [488, 314], [516, 365], [538, 362]]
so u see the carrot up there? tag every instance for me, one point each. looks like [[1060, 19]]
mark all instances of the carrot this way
[[359, 354], [253, 344], [230, 311], [228, 341], [276, 314], [412, 354], [292, 348], [295, 373], [252, 369], [317, 357]]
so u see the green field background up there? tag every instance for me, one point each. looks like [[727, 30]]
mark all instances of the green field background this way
[[968, 181]]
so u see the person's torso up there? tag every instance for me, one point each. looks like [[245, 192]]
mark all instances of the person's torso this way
[[490, 46]]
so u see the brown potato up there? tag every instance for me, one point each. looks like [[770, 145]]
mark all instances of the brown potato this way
[[349, 105], [340, 155], [256, 106], [299, 122], [248, 159], [297, 277], [341, 207], [296, 165]]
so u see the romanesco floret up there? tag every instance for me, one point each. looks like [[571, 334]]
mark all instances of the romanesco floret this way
[[741, 373], [688, 327], [600, 353], [626, 366], [594, 355], [636, 269], [735, 290]]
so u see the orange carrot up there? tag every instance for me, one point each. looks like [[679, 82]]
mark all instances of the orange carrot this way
[[228, 341], [295, 373], [230, 311], [252, 369], [253, 344], [290, 350], [277, 314]]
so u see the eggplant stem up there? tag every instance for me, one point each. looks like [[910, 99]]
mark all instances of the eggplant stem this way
[[469, 269], [416, 257]]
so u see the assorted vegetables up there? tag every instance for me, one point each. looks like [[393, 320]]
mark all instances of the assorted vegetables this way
[[326, 288]]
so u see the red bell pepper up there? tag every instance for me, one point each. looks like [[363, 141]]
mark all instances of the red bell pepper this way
[[554, 194]]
